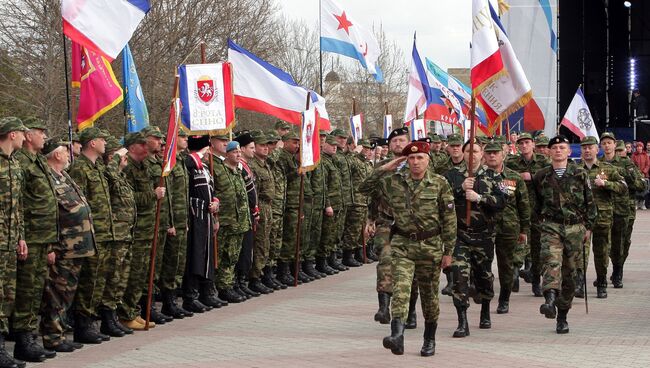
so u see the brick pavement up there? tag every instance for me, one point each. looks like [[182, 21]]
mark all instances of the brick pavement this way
[[329, 323]]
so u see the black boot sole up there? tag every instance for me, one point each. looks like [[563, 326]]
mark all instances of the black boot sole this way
[[389, 344], [548, 311]]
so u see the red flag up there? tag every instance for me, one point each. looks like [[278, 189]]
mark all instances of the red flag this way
[[172, 132], [99, 90]]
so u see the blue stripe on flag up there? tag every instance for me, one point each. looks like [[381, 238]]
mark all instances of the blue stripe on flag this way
[[135, 105], [349, 50], [422, 75], [183, 93], [279, 73], [546, 6], [140, 4]]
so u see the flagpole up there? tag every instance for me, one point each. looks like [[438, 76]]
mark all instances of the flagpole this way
[[154, 244], [320, 45], [67, 95], [470, 163], [301, 199]]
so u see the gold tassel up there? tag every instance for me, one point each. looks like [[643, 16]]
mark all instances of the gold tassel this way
[[503, 7]]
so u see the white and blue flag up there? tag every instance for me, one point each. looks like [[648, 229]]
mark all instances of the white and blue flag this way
[[137, 116]]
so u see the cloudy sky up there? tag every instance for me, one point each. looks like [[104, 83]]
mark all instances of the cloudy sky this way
[[443, 26]]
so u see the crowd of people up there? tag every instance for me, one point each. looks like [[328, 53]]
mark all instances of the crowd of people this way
[[237, 218]]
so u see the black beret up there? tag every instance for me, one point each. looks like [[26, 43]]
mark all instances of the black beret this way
[[398, 132], [244, 139], [557, 140]]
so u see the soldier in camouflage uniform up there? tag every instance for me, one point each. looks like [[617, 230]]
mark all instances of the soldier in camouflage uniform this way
[[319, 193], [12, 233], [606, 181], [277, 212], [360, 169], [75, 241], [513, 222], [88, 172], [541, 145], [474, 251], [326, 260], [567, 211], [624, 208], [527, 163], [41, 233], [438, 157], [422, 237], [138, 176]]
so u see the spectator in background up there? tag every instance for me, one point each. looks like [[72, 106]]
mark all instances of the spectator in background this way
[[639, 105], [642, 161], [628, 148]]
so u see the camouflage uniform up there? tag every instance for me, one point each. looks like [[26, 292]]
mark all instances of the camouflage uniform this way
[[265, 186], [424, 230], [277, 207], [289, 166], [329, 226], [317, 178], [76, 242], [343, 164], [566, 209], [92, 181], [41, 233], [360, 169], [474, 250]]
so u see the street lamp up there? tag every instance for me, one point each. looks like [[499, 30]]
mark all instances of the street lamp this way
[[627, 4]]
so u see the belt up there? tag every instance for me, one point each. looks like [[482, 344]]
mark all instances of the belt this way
[[414, 236], [562, 221]]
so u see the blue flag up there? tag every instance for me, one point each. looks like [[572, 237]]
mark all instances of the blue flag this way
[[137, 116]]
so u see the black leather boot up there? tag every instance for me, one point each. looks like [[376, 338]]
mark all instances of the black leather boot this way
[[601, 288], [383, 314], [348, 259], [429, 344], [525, 273], [308, 268], [238, 290], [515, 284], [27, 349], [485, 322], [169, 306], [504, 302], [562, 326], [84, 331], [6, 361], [395, 342], [412, 320], [370, 253], [243, 286], [303, 278], [580, 285], [334, 262], [323, 267], [284, 276], [273, 276], [463, 327], [256, 285], [617, 277], [267, 279], [194, 306], [157, 317], [231, 296], [536, 287], [108, 326], [126, 330], [548, 308], [447, 290]]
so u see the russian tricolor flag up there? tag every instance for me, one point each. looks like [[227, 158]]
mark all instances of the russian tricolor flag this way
[[103, 26]]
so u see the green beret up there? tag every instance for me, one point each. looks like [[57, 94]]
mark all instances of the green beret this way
[[541, 140], [292, 134], [608, 135], [620, 145], [588, 140], [338, 132], [91, 133], [282, 125], [331, 140], [182, 133], [11, 124], [52, 144], [33, 122], [493, 147], [524, 135], [134, 138], [454, 140], [152, 131]]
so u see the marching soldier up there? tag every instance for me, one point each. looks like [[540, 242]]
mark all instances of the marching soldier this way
[[565, 206], [422, 237]]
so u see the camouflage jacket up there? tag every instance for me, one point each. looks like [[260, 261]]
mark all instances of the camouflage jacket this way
[[93, 184], [279, 181], [633, 179], [317, 181], [288, 165], [332, 182], [566, 199], [179, 193], [519, 164], [154, 166], [11, 217], [418, 205], [603, 196], [229, 187], [343, 164], [264, 181], [122, 201], [137, 174], [515, 217], [440, 162], [360, 169], [39, 199], [75, 220], [493, 199]]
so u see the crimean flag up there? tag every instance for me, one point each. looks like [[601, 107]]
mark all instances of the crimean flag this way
[[309, 140], [356, 127], [172, 132], [388, 126], [99, 90]]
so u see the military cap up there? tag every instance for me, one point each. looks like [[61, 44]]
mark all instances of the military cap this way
[[282, 125], [608, 135], [52, 144], [112, 144], [322, 132], [483, 139], [338, 132], [244, 139], [476, 142], [75, 137], [134, 138], [620, 145], [272, 136], [152, 131], [33, 122], [443, 138], [182, 133], [493, 147], [397, 132], [499, 139], [221, 136], [364, 143], [292, 134], [232, 145], [11, 124], [416, 147], [259, 137], [330, 139], [197, 142], [91, 133], [557, 140], [541, 140], [524, 135], [588, 140], [454, 140], [435, 138]]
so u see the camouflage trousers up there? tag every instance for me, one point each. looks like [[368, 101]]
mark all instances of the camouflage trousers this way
[[92, 280], [306, 246], [262, 245], [382, 245], [329, 234], [535, 241], [289, 226], [352, 232], [419, 260], [173, 260], [59, 293], [229, 248], [315, 233], [473, 254], [601, 243], [117, 273], [161, 244], [275, 238], [504, 246], [627, 239], [340, 223], [620, 225], [520, 253], [30, 282], [129, 306], [7, 287], [561, 251]]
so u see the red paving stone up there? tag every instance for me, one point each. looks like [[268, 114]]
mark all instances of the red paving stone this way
[[329, 323]]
